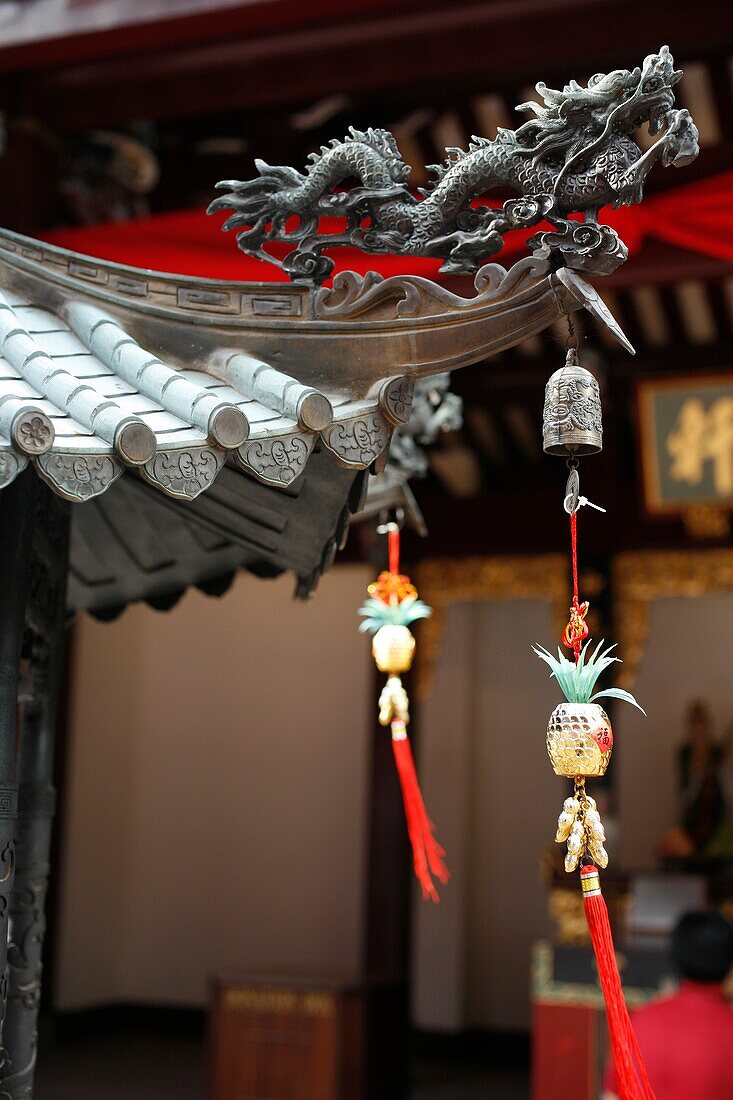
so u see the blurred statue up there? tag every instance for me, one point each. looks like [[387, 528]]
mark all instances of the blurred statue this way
[[108, 177], [704, 832]]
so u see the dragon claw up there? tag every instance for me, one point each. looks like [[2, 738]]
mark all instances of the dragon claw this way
[[681, 142]]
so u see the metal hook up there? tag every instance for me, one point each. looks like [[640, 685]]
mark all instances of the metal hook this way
[[392, 520], [571, 344], [572, 339]]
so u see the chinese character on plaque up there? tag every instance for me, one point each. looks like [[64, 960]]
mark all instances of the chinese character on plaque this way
[[686, 428]]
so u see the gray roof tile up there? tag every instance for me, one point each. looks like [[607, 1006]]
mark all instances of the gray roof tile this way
[[107, 400]]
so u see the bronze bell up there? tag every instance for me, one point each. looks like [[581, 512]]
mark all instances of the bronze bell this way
[[571, 421]]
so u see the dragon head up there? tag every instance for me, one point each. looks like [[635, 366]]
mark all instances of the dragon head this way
[[616, 102], [648, 96]]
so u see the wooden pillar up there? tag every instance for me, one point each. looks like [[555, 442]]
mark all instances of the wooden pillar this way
[[17, 504], [387, 948], [40, 683]]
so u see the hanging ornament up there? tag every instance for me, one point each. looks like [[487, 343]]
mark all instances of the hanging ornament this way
[[579, 733], [391, 608]]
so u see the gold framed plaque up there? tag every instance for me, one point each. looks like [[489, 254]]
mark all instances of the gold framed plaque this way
[[686, 437]]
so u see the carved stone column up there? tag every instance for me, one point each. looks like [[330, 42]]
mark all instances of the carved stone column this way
[[39, 687], [17, 504]]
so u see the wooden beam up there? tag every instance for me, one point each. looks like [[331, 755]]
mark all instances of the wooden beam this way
[[532, 521], [253, 66], [36, 37], [661, 264]]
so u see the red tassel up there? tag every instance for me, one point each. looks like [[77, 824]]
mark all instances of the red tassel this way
[[427, 854], [633, 1082]]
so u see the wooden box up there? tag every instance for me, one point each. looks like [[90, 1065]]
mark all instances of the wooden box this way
[[279, 1040]]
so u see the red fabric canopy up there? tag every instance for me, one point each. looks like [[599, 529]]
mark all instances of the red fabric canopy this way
[[697, 216]]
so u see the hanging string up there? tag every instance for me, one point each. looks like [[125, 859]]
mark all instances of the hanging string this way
[[577, 629], [394, 548], [574, 555]]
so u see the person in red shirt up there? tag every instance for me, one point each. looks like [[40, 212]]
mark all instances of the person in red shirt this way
[[687, 1039]]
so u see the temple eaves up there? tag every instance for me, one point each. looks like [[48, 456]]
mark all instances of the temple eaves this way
[[189, 384]]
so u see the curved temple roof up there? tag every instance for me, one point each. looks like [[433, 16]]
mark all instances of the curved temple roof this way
[[181, 381], [83, 399]]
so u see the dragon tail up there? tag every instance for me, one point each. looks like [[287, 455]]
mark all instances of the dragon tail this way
[[271, 193]]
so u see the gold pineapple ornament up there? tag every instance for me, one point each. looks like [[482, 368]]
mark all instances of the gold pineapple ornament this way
[[393, 646], [579, 740], [580, 743], [393, 605]]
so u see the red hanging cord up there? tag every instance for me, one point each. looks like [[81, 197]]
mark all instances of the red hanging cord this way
[[394, 548], [577, 629], [574, 553]]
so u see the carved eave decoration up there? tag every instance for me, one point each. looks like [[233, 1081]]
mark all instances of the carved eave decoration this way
[[188, 383], [107, 367]]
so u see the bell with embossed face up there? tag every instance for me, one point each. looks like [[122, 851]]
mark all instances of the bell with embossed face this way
[[571, 419]]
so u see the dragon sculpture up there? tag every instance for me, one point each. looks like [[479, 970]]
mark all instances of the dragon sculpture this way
[[575, 156]]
